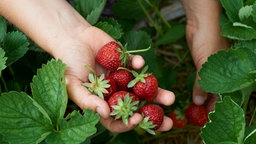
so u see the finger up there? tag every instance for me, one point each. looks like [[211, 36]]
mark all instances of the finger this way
[[117, 126], [84, 99], [165, 97], [210, 102], [166, 125], [137, 62], [199, 95]]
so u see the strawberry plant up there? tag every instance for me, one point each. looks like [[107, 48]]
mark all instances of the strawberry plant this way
[[40, 117], [231, 75], [138, 24]]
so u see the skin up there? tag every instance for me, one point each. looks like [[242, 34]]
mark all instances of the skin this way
[[203, 37], [62, 32]]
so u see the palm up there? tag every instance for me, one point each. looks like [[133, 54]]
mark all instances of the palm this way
[[82, 54]]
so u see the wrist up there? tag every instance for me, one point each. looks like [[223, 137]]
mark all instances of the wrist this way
[[51, 24], [200, 13]]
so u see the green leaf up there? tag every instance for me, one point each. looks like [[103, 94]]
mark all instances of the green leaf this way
[[75, 128], [249, 44], [254, 12], [173, 34], [232, 8], [238, 31], [228, 71], [49, 89], [240, 95], [128, 9], [111, 27], [249, 2], [227, 142], [227, 124], [15, 45], [2, 141], [136, 40], [90, 9], [250, 135], [2, 60], [236, 96], [245, 12], [3, 29], [22, 120]]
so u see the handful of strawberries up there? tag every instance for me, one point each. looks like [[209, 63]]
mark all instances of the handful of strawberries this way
[[124, 89]]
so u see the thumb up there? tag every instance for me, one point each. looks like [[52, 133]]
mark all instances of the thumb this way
[[199, 96]]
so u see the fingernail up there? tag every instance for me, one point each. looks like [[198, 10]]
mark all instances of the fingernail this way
[[199, 100]]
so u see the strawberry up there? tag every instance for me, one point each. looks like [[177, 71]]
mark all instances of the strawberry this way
[[153, 116], [122, 78], [178, 118], [110, 90], [145, 85], [122, 105], [112, 55], [100, 85], [196, 114]]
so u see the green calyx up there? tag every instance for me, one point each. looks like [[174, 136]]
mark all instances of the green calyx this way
[[124, 57], [179, 114], [147, 125], [97, 85], [139, 77], [124, 108]]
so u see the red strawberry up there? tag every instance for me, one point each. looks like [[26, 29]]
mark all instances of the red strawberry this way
[[112, 89], [122, 105], [102, 86], [122, 78], [112, 55], [145, 85], [178, 118], [196, 114], [153, 116]]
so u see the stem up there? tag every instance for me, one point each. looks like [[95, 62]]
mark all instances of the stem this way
[[246, 101], [139, 50], [159, 14], [4, 84], [113, 138], [13, 75], [97, 134], [91, 69], [149, 17], [253, 114]]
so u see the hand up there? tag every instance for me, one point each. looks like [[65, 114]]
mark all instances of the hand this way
[[204, 39], [82, 51]]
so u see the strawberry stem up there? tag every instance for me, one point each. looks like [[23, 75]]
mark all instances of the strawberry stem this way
[[123, 68], [91, 69], [139, 50], [124, 57]]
